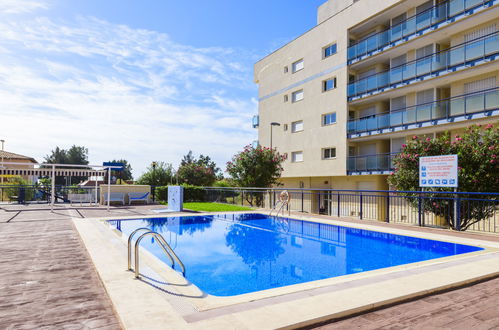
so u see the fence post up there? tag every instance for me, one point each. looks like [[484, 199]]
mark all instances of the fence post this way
[[388, 208], [457, 212], [319, 203], [242, 197], [419, 209], [339, 204], [302, 210], [360, 212]]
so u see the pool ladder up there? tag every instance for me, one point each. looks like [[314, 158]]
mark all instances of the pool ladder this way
[[279, 208], [162, 243]]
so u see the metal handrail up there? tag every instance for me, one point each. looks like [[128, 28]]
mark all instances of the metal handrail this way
[[172, 253], [164, 245], [274, 208], [281, 208], [130, 246]]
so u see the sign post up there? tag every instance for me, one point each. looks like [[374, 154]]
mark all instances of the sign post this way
[[438, 171]]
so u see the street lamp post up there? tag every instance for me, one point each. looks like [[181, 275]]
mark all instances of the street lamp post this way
[[272, 124]]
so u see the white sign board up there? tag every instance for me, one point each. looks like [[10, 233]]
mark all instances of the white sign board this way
[[438, 171]]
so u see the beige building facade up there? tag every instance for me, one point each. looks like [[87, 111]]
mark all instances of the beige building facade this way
[[346, 95]]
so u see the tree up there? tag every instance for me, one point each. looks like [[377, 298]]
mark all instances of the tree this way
[[200, 171], [126, 173], [256, 167], [75, 155], [196, 175], [160, 175], [477, 172]]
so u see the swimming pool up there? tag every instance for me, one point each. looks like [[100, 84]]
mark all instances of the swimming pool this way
[[232, 254]]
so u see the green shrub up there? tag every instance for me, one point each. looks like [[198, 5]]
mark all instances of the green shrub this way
[[161, 193], [16, 182], [191, 193]]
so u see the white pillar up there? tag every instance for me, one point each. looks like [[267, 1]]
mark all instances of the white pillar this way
[[108, 187], [52, 194], [96, 202]]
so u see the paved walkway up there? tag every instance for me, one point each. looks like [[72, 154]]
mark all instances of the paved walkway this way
[[48, 281], [474, 307], [46, 277]]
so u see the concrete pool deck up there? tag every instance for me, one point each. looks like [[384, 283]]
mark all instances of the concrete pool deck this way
[[138, 303]]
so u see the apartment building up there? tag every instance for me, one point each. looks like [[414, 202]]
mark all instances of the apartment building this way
[[341, 99]]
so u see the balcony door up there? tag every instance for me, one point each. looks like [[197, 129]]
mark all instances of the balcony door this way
[[398, 111], [369, 159], [480, 101], [423, 110]]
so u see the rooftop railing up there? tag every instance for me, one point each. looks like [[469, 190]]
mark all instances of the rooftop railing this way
[[480, 101], [466, 54], [430, 18]]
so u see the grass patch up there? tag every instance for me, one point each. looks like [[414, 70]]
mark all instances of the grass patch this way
[[214, 207]]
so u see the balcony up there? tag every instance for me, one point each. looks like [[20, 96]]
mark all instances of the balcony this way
[[370, 164], [459, 108], [415, 26], [469, 54]]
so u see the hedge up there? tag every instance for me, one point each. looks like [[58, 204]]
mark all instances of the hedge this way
[[191, 193]]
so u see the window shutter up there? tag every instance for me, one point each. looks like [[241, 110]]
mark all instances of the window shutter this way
[[480, 85], [480, 32]]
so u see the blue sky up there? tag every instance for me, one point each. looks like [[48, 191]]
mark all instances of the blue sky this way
[[142, 80]]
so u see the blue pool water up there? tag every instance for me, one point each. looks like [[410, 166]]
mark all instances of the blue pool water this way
[[230, 254]]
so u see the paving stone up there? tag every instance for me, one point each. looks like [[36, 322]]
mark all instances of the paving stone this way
[[473, 307], [46, 278]]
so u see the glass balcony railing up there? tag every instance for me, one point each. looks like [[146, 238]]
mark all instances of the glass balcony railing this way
[[414, 24], [256, 121], [447, 108], [486, 47], [368, 163]]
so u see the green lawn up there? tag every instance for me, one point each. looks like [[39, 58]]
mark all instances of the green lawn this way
[[214, 207]]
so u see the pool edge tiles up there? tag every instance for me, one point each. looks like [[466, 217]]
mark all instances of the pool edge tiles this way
[[134, 299], [426, 250]]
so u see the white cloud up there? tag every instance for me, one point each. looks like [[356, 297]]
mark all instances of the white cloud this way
[[121, 92], [21, 6]]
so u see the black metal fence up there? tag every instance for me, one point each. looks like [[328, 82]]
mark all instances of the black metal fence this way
[[25, 194], [457, 210]]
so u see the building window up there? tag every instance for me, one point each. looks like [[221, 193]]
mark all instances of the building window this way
[[328, 153], [285, 127], [297, 126], [329, 119], [297, 96], [297, 156], [286, 98], [329, 50], [286, 69], [328, 84], [297, 66]]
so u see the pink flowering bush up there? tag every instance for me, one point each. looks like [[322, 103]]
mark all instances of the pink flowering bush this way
[[196, 174], [477, 172], [255, 167]]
